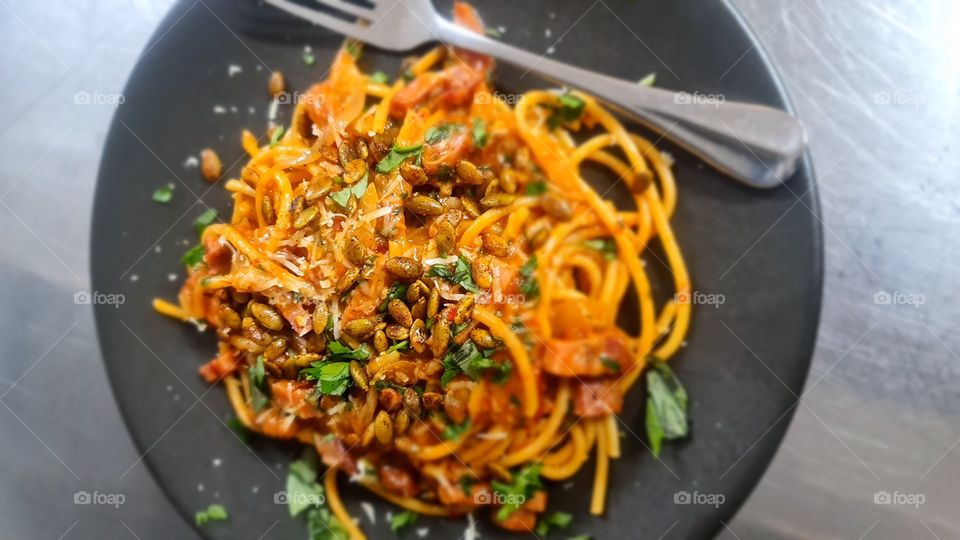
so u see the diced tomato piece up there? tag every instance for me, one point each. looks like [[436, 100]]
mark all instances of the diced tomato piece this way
[[587, 357], [292, 395], [397, 480], [216, 254], [597, 397], [224, 364]]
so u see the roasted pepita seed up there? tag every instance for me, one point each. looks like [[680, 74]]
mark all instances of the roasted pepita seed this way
[[321, 314], [401, 423], [415, 291], [495, 244], [418, 336], [413, 174], [315, 191], [346, 154], [359, 375], [301, 361], [404, 267], [424, 206], [433, 304], [239, 297], [347, 280], [380, 342], [383, 427], [470, 207], [276, 349], [355, 250], [419, 310], [483, 338], [537, 233], [411, 401], [305, 217], [446, 237], [360, 328], [267, 316], [400, 313], [555, 206], [362, 151], [367, 436], [245, 344], [432, 401], [468, 173], [497, 200], [464, 309], [229, 317], [253, 331], [354, 171], [397, 332], [508, 181], [482, 274], [440, 337]]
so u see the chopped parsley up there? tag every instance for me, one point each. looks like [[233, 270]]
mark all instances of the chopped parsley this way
[[492, 32], [308, 58], [468, 359], [525, 482], [380, 78], [401, 346], [193, 257], [164, 193], [275, 136], [357, 190], [649, 80], [453, 432], [397, 155], [556, 520], [536, 188], [259, 390], [302, 489], [479, 132], [339, 351], [461, 274], [397, 291], [238, 429], [205, 220], [403, 519], [607, 246], [570, 109], [333, 378], [529, 286], [353, 48], [440, 132], [610, 364], [214, 512], [666, 416], [466, 484]]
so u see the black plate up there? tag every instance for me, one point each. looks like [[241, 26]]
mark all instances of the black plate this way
[[762, 250]]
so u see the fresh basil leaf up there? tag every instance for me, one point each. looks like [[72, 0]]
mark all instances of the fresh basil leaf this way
[[193, 257], [163, 194], [397, 155], [205, 220], [461, 274], [302, 489], [666, 416], [259, 390], [479, 132], [610, 364], [537, 188], [214, 512], [322, 525], [529, 286], [440, 132], [397, 291], [403, 519], [333, 378], [525, 482], [240, 430], [570, 107], [380, 78], [357, 190], [607, 246], [466, 358], [556, 520], [275, 136], [339, 351]]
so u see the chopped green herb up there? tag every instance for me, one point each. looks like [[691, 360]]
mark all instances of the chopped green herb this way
[[193, 257], [339, 351], [214, 512], [380, 78], [397, 155], [537, 188], [461, 274], [401, 346], [353, 48], [408, 76], [466, 484], [302, 489], [556, 520], [205, 220], [322, 525], [607, 246], [666, 417], [468, 359], [397, 291], [357, 190], [457, 328], [529, 286], [580, 537], [570, 109], [308, 58], [403, 519], [454, 431], [610, 364], [493, 32], [333, 378], [480, 137], [649, 80], [526, 481], [259, 390], [240, 430], [163, 194], [440, 132], [275, 136]]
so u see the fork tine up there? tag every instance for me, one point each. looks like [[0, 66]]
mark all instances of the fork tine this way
[[329, 21], [353, 9]]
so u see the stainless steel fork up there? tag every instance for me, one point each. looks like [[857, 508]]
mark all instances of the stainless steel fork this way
[[757, 145]]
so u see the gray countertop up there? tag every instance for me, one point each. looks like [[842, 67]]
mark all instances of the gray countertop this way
[[877, 84]]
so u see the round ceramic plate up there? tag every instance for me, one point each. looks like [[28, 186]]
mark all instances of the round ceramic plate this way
[[756, 254]]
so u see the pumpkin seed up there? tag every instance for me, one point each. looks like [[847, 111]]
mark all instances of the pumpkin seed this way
[[483, 338], [497, 200], [355, 250], [555, 206], [301, 361], [245, 344], [401, 422], [305, 217], [380, 342], [360, 328], [440, 337], [424, 206], [470, 207], [495, 244], [359, 375], [413, 174], [210, 166], [464, 309], [315, 191], [354, 171], [277, 84], [276, 349], [347, 280], [362, 151], [415, 291], [411, 401], [400, 313], [404, 267], [228, 317], [446, 238], [383, 427], [468, 173], [345, 154], [397, 332], [419, 310], [482, 274], [433, 304], [508, 181], [418, 336], [321, 315]]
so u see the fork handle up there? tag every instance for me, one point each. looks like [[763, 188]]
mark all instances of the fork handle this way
[[757, 145]]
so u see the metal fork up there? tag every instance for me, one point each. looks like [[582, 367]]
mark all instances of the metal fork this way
[[757, 145]]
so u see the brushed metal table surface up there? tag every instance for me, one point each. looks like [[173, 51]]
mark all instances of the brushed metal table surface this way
[[877, 84]]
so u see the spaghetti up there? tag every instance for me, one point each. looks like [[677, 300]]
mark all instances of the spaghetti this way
[[417, 280]]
